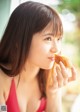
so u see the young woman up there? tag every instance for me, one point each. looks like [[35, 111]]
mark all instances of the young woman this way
[[30, 41]]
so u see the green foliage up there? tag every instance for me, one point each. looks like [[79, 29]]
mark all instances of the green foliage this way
[[72, 5]]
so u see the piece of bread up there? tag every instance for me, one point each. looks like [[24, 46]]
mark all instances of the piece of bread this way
[[63, 59]]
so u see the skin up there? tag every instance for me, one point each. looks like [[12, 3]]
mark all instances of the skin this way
[[41, 55]]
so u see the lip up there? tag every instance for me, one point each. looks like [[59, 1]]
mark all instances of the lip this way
[[51, 58]]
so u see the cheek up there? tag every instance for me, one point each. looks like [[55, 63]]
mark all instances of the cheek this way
[[40, 49], [39, 57], [59, 46], [39, 52], [34, 52]]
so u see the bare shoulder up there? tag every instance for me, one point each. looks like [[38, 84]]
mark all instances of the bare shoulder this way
[[4, 79], [4, 86]]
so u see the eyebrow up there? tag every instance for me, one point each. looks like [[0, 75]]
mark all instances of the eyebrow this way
[[51, 34]]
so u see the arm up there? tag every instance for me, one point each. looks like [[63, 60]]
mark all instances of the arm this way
[[54, 102], [2, 89], [2, 100]]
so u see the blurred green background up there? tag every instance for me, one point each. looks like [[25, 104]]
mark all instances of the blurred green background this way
[[69, 11]]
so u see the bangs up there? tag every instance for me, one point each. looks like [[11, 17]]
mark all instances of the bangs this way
[[57, 27], [56, 21]]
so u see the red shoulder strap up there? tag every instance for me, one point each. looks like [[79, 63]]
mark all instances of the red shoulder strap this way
[[12, 103]]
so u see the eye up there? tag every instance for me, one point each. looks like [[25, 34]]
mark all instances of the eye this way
[[48, 38], [59, 39]]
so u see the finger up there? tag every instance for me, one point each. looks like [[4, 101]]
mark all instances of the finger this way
[[74, 74], [59, 77], [55, 82], [63, 70], [64, 73]]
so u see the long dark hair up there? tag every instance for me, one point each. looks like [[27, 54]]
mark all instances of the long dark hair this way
[[26, 20]]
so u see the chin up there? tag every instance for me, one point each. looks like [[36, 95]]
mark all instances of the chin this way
[[48, 67]]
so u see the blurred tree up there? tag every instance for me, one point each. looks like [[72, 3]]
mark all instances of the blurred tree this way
[[73, 6]]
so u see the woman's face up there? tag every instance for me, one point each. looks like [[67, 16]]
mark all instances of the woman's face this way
[[43, 47]]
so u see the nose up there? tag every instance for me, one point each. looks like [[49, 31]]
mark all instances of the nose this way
[[55, 48]]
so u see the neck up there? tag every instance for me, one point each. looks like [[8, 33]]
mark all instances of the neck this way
[[29, 73]]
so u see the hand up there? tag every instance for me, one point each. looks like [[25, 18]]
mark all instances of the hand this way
[[61, 77]]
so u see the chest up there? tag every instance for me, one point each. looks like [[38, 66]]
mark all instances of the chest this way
[[28, 102], [29, 106]]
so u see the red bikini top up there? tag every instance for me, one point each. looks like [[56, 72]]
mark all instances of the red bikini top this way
[[12, 102]]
